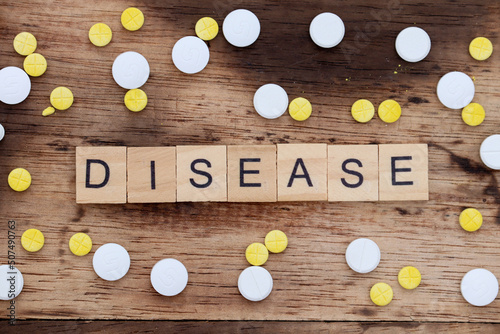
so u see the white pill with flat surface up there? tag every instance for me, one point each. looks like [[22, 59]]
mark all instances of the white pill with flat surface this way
[[130, 70], [327, 30], [490, 152], [169, 277], [190, 54], [455, 90], [111, 262], [479, 287], [270, 101], [11, 282], [2, 132], [15, 85], [362, 255], [241, 28], [255, 283], [413, 44]]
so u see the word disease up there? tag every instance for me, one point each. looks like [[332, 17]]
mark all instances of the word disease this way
[[252, 173]]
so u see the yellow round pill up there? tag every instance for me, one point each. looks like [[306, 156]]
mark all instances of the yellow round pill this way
[[276, 241], [471, 220], [473, 114], [61, 98], [35, 64], [132, 19], [25, 43], [32, 240], [80, 244], [362, 111], [206, 28], [409, 277], [480, 48], [389, 111], [100, 34], [381, 294], [300, 109], [19, 179], [48, 111], [256, 254], [136, 100]]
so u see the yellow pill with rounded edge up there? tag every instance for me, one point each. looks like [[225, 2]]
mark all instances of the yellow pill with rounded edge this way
[[25, 43], [100, 34], [362, 111], [61, 98], [389, 111], [32, 240], [471, 219], [80, 244], [132, 19], [35, 64], [300, 109], [473, 114], [256, 254], [381, 294], [409, 277], [276, 241], [48, 111], [206, 28], [480, 48], [136, 100], [19, 179]]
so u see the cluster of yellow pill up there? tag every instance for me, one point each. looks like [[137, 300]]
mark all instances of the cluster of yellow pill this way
[[470, 219], [382, 294], [34, 64], [275, 242], [33, 240], [363, 111]]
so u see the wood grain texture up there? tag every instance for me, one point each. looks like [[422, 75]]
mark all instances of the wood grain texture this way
[[311, 278]]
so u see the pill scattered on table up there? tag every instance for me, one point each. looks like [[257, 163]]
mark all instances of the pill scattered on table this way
[[2, 132], [362, 255], [479, 287], [61, 98], [257, 254], [169, 277], [32, 240], [409, 277], [276, 241], [80, 244], [381, 294], [100, 34], [15, 85], [300, 109], [255, 283], [473, 114], [471, 219], [270, 101], [241, 28], [490, 152], [480, 48], [455, 90], [11, 282], [130, 70], [35, 64], [136, 100], [25, 43], [190, 55], [389, 111], [362, 111], [19, 179], [206, 28], [327, 30], [48, 111], [111, 262], [132, 19], [413, 44]]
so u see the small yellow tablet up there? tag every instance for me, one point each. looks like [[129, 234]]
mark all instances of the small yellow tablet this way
[[256, 254], [32, 240]]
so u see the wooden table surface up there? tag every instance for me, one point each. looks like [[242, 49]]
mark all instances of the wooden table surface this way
[[314, 290]]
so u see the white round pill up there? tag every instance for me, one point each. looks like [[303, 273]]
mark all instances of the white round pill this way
[[2, 132], [270, 101], [130, 70], [15, 85], [169, 277], [413, 44], [327, 30], [362, 255], [11, 282], [490, 152], [455, 90], [241, 28], [479, 287], [190, 54], [255, 283], [111, 262]]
